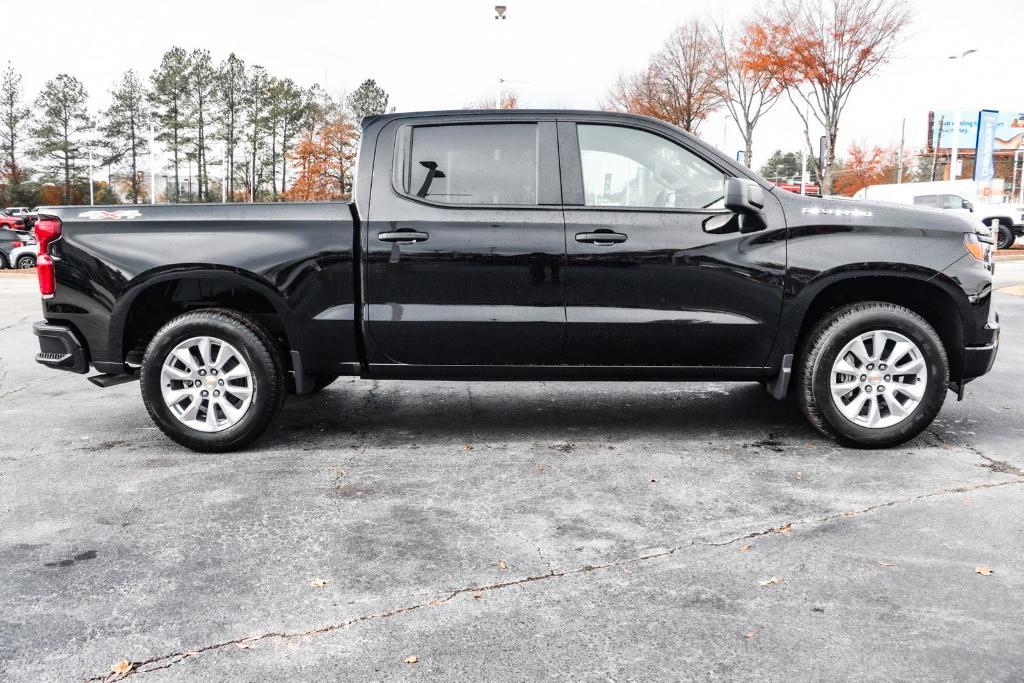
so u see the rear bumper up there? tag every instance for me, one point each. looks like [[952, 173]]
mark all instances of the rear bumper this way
[[60, 348]]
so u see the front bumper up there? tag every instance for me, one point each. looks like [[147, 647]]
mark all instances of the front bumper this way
[[60, 348]]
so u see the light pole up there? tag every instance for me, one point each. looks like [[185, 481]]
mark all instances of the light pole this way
[[953, 173], [500, 16]]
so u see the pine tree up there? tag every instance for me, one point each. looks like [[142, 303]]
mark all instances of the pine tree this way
[[202, 80], [369, 99], [169, 84], [125, 123], [231, 91], [14, 118], [61, 123]]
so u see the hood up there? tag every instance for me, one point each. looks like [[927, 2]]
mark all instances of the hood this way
[[827, 211]]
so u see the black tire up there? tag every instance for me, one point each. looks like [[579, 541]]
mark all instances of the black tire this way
[[3, 262], [26, 262], [823, 344], [1006, 236], [257, 347]]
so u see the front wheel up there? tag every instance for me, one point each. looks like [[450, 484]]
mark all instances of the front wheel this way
[[1006, 236], [872, 375], [212, 380]]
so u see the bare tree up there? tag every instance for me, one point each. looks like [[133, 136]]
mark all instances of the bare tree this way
[[747, 92], [681, 69], [819, 50], [677, 86]]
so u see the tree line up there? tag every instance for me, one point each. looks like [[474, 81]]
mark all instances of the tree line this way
[[811, 53], [228, 129]]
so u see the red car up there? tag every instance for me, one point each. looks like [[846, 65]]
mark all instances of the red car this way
[[11, 222]]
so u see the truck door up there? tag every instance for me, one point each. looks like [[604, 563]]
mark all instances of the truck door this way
[[646, 283], [464, 244]]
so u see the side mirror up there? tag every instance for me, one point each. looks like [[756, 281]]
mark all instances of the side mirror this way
[[967, 205], [746, 199]]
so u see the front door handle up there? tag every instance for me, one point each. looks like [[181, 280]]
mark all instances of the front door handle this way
[[403, 236], [601, 239]]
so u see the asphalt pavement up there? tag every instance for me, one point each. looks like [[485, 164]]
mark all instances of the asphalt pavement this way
[[460, 530]]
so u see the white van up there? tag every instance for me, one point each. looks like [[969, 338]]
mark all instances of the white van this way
[[952, 195]]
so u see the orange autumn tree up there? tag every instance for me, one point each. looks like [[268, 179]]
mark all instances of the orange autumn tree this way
[[325, 159], [863, 168], [819, 50]]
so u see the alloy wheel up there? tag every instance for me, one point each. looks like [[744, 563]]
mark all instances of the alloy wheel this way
[[207, 384], [878, 379]]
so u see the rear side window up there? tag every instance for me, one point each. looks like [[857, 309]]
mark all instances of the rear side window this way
[[473, 164]]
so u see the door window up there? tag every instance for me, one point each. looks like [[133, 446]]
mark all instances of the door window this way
[[474, 164], [633, 168]]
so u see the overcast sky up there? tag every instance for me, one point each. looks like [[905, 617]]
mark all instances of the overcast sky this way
[[439, 54]]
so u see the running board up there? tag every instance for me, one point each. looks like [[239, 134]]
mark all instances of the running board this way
[[107, 380]]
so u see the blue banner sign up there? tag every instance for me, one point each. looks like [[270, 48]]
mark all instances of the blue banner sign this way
[[985, 145]]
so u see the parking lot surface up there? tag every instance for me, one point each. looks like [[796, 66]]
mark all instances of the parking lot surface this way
[[460, 530]]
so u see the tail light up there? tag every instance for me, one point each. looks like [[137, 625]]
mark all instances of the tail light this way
[[17, 244], [46, 231]]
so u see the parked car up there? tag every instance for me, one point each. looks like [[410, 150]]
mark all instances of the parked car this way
[[9, 222], [24, 257], [959, 196], [10, 241], [23, 213], [523, 245]]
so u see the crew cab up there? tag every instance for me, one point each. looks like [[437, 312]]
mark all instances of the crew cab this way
[[529, 245]]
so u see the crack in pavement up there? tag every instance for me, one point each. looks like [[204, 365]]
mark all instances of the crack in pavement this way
[[160, 662], [999, 466]]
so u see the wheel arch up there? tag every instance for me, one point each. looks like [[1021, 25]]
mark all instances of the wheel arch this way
[[157, 297], [926, 293]]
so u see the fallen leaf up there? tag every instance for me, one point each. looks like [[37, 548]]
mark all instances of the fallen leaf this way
[[478, 595], [503, 565], [784, 529], [122, 667], [984, 571], [411, 659], [771, 582], [799, 475], [849, 513], [435, 602], [319, 583], [749, 635], [744, 548], [243, 645], [886, 563], [468, 447]]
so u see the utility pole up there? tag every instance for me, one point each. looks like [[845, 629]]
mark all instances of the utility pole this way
[[92, 199], [152, 165], [899, 167]]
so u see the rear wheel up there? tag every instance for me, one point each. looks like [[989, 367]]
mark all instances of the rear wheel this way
[[872, 375], [1006, 236], [26, 262], [212, 380]]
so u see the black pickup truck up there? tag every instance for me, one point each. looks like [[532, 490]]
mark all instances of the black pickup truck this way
[[523, 245]]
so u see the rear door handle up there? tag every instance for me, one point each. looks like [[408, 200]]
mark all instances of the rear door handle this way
[[403, 236], [602, 239]]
